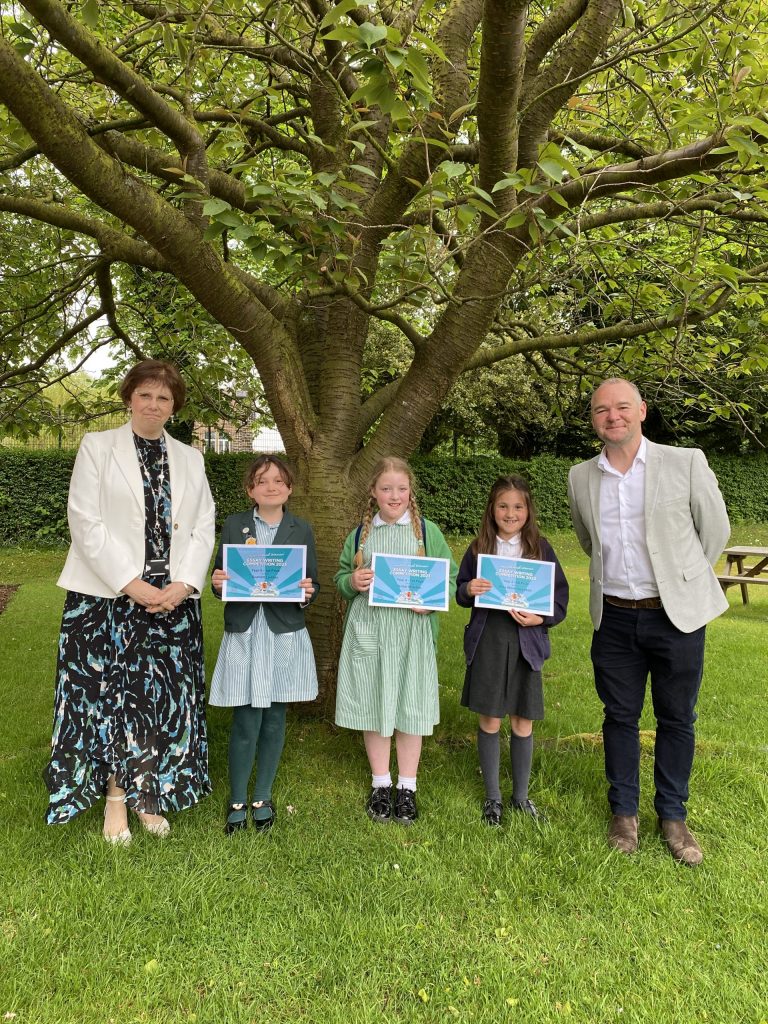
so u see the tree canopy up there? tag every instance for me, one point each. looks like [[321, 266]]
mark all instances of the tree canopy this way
[[490, 179]]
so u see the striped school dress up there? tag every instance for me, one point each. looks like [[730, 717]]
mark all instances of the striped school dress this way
[[259, 667], [387, 669]]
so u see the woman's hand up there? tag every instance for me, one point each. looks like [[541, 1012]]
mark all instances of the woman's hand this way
[[478, 586], [525, 618], [309, 588], [217, 579], [143, 593], [361, 580], [172, 596]]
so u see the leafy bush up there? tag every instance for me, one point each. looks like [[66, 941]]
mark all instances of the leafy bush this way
[[34, 484]]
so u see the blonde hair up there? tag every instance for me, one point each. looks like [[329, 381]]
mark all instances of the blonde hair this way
[[390, 464]]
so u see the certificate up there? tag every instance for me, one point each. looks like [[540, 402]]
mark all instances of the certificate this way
[[409, 581], [522, 583], [264, 572]]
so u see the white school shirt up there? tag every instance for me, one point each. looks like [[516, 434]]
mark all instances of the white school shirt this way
[[404, 519], [512, 548], [627, 569]]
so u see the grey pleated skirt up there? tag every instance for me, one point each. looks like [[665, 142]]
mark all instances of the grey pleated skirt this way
[[500, 682]]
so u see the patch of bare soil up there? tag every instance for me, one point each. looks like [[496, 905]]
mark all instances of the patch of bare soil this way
[[7, 590]]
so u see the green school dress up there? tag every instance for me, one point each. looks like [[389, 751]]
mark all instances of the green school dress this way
[[387, 669]]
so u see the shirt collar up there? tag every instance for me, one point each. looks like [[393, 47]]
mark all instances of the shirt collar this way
[[642, 453], [270, 526], [404, 519]]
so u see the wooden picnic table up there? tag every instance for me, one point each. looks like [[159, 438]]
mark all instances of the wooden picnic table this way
[[756, 571]]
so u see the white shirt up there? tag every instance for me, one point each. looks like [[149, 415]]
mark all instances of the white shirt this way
[[627, 569], [512, 548], [404, 519]]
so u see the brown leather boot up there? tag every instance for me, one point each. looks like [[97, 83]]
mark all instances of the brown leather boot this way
[[622, 833], [681, 843]]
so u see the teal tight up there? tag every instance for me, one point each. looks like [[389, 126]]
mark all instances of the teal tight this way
[[255, 730]]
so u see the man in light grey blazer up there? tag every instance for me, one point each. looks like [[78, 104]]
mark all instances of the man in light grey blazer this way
[[653, 521]]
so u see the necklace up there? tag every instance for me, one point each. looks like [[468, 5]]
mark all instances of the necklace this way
[[158, 526]]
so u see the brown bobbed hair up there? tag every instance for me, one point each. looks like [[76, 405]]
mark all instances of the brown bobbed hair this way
[[390, 464], [260, 465], [157, 372], [530, 536]]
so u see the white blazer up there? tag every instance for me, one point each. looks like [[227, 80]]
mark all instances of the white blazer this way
[[686, 529], [106, 515]]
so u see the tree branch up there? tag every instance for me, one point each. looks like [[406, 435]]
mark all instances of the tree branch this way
[[555, 84], [110, 69], [115, 245], [501, 69]]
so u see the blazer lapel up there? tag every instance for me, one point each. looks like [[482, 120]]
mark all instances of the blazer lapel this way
[[653, 462], [593, 482], [124, 454], [286, 529], [176, 472]]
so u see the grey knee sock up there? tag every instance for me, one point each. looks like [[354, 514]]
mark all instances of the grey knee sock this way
[[521, 755], [488, 752]]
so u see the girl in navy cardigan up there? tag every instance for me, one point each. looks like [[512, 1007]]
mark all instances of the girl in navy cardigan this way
[[505, 650]]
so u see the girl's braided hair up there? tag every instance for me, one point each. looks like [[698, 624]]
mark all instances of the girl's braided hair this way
[[389, 465]]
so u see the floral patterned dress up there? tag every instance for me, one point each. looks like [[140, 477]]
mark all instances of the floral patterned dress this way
[[130, 686]]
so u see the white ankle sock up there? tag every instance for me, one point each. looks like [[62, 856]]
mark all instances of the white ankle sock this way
[[381, 781], [403, 783]]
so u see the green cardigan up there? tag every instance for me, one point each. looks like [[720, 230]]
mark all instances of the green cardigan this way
[[281, 618], [436, 547]]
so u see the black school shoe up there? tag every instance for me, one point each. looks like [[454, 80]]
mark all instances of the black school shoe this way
[[378, 806], [492, 810], [529, 807], [231, 827], [263, 824], [405, 812]]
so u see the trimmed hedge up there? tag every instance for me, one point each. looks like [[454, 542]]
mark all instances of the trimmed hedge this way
[[34, 484]]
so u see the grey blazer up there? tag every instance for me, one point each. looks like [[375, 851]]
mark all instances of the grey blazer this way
[[686, 530], [281, 618]]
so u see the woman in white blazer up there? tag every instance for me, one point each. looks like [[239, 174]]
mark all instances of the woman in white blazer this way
[[129, 715]]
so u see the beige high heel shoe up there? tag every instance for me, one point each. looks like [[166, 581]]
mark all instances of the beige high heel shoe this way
[[156, 828], [121, 838]]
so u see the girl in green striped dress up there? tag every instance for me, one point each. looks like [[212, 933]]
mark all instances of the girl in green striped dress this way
[[387, 670]]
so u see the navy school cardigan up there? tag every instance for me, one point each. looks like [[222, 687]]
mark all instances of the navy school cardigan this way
[[281, 617], [534, 640]]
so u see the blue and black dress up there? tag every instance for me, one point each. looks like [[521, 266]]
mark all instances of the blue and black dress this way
[[130, 686]]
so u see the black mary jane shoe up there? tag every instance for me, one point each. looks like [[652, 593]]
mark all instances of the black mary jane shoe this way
[[236, 826], [263, 824], [492, 810]]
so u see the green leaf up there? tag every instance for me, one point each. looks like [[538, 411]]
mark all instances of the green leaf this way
[[430, 45], [371, 34], [516, 220], [337, 12], [452, 169], [91, 13], [552, 169], [557, 198], [484, 208], [363, 170], [344, 34], [215, 206]]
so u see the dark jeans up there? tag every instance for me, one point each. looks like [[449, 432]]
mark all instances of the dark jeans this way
[[630, 644]]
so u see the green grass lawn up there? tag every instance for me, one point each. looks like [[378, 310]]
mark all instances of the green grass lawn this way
[[331, 918]]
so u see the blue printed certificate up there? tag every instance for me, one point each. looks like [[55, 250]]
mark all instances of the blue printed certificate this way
[[409, 581], [522, 583], [264, 572]]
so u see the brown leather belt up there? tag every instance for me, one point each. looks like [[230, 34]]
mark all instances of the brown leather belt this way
[[643, 602]]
